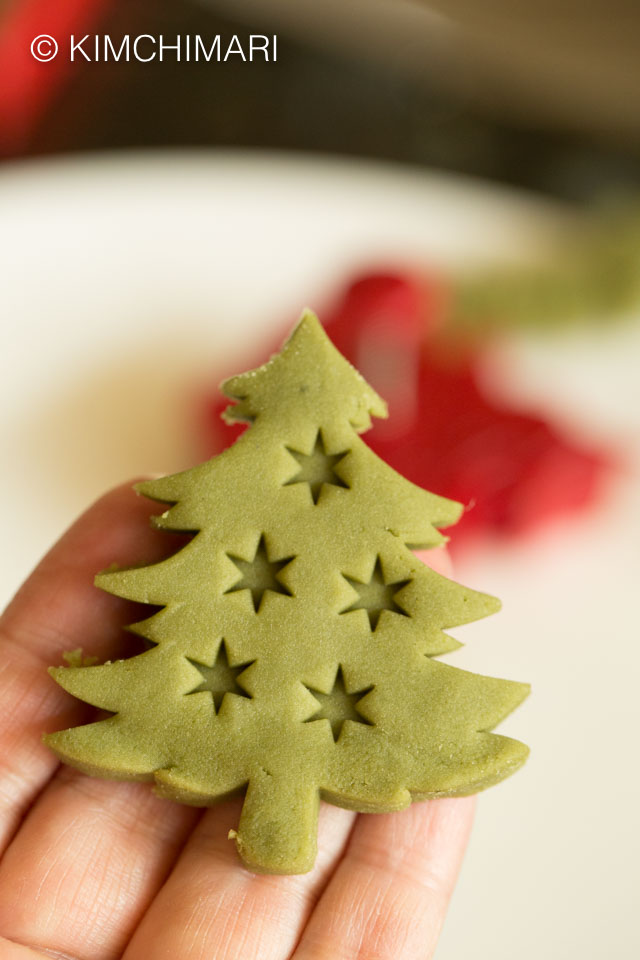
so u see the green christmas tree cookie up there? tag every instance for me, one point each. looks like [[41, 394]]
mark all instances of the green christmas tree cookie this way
[[292, 656]]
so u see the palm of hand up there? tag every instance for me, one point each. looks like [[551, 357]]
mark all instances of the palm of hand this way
[[103, 870]]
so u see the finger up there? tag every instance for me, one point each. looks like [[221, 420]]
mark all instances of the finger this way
[[58, 605], [59, 609], [15, 951], [86, 863], [388, 897], [211, 908], [89, 848]]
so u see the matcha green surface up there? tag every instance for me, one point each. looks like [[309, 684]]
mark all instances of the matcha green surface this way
[[292, 656]]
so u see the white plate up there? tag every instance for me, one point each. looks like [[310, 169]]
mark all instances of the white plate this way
[[125, 278]]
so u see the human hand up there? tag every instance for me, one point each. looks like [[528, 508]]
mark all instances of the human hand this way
[[105, 870]]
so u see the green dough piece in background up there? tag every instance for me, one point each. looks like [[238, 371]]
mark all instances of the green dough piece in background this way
[[293, 654]]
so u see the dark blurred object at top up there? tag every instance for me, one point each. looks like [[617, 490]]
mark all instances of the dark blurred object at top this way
[[534, 99]]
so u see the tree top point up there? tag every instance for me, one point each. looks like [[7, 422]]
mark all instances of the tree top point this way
[[308, 370]]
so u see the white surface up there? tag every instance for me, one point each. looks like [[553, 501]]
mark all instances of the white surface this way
[[125, 281]]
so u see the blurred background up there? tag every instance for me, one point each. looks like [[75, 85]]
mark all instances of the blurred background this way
[[453, 187]]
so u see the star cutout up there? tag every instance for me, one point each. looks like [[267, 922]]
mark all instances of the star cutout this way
[[220, 679], [339, 705], [317, 468], [259, 575], [376, 595]]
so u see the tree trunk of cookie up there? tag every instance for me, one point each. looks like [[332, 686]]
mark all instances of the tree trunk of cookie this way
[[279, 824]]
